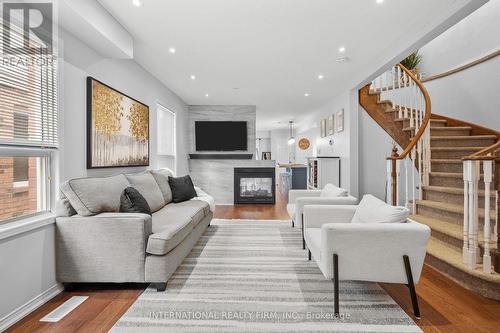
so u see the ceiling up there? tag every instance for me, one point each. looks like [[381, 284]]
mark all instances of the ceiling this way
[[269, 53]]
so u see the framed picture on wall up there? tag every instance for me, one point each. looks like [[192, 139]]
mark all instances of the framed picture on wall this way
[[266, 155], [323, 128], [330, 125], [339, 121], [117, 128]]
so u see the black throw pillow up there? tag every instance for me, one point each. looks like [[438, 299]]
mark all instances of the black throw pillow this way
[[182, 188], [131, 201]]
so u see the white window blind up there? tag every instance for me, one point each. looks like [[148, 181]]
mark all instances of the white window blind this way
[[28, 97], [166, 131]]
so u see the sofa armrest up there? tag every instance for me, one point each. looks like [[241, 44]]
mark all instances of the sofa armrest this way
[[294, 194], [317, 215], [374, 251], [109, 247]]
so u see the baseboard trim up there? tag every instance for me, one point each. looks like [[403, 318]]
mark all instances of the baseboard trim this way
[[29, 307]]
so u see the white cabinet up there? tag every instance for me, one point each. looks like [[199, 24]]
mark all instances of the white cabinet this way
[[323, 170]]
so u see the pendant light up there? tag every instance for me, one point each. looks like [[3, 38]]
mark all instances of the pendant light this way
[[291, 140]]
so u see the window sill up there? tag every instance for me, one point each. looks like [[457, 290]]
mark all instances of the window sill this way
[[15, 228]]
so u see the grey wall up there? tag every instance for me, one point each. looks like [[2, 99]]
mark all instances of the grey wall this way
[[246, 113], [124, 75]]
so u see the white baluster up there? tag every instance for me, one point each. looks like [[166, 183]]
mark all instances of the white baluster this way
[[413, 153], [473, 179], [388, 192], [465, 248], [487, 170], [407, 184]]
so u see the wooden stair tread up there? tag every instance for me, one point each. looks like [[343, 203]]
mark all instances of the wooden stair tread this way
[[451, 229], [456, 128], [439, 121], [452, 190], [450, 255], [457, 148], [451, 137], [447, 174], [452, 208], [444, 160]]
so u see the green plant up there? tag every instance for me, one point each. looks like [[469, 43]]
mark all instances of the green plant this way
[[412, 61]]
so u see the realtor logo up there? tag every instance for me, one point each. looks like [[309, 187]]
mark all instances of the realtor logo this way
[[27, 28]]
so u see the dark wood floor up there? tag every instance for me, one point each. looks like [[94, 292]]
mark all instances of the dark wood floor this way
[[445, 306]]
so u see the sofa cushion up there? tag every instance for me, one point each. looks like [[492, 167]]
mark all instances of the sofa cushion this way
[[132, 201], [161, 177], [290, 208], [374, 210], [91, 196], [173, 223], [171, 235], [145, 183], [331, 190]]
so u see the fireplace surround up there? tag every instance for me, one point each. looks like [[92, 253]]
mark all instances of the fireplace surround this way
[[254, 185]]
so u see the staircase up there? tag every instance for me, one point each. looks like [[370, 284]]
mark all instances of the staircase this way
[[442, 206], [437, 196]]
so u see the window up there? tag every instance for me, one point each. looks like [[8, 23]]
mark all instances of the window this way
[[28, 133], [166, 138]]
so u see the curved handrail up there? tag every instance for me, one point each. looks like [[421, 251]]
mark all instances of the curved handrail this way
[[482, 155], [425, 122]]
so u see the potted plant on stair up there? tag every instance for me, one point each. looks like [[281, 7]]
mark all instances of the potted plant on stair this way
[[411, 63]]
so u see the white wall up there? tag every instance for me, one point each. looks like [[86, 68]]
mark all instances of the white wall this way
[[374, 146], [470, 95], [280, 149], [28, 269], [344, 143]]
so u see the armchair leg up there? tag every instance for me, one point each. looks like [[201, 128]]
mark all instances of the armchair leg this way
[[309, 255], [336, 284], [411, 286], [160, 286], [303, 239]]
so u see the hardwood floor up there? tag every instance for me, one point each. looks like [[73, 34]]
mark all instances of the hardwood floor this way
[[445, 306]]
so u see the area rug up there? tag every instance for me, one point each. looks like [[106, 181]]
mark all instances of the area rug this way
[[253, 276]]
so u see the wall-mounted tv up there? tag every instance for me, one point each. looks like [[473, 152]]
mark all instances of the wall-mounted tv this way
[[221, 135]]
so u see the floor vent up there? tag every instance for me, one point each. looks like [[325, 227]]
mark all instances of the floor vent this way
[[62, 310]]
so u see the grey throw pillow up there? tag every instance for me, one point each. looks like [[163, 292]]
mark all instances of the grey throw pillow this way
[[182, 188], [131, 201]]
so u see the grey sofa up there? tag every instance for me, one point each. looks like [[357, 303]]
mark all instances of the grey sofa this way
[[97, 243]]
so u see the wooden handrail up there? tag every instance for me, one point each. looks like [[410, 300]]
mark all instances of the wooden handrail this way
[[425, 122], [482, 155]]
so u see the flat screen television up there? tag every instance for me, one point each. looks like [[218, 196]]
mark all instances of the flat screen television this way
[[221, 135]]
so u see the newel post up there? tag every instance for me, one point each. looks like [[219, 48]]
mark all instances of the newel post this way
[[394, 175], [496, 254]]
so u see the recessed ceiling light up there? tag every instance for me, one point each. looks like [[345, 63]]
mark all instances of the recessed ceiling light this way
[[193, 77], [320, 77], [171, 50], [379, 1], [206, 95], [306, 94], [137, 3], [343, 59], [342, 49]]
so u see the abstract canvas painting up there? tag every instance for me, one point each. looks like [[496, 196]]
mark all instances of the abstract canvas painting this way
[[117, 128]]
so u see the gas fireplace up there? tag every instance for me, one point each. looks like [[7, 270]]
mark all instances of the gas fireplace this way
[[254, 186]]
